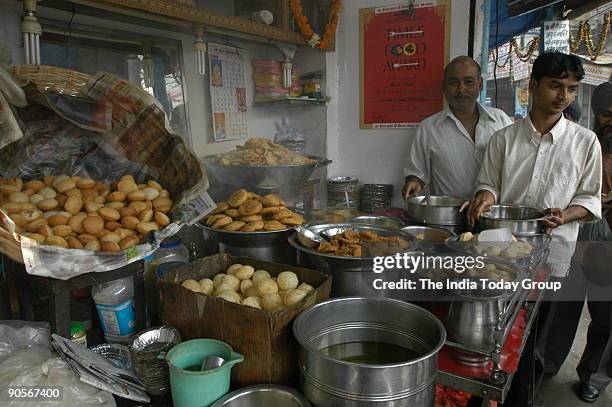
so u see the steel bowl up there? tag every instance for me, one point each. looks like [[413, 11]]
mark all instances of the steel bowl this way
[[444, 210], [329, 381], [386, 222], [263, 175], [521, 220], [431, 234], [268, 395], [353, 275]]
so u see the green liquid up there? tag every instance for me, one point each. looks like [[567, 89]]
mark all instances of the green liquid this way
[[371, 353]]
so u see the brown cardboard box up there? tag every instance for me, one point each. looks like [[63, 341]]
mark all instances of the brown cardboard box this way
[[264, 338]]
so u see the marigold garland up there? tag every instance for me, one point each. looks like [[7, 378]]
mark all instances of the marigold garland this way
[[314, 40]]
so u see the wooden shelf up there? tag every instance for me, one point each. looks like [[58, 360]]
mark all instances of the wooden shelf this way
[[290, 101], [169, 11]]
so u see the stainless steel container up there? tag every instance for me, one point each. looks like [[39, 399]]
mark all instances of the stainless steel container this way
[[387, 222], [442, 210], [521, 220], [329, 382], [266, 246], [430, 234], [263, 175], [471, 322], [265, 395], [353, 275]]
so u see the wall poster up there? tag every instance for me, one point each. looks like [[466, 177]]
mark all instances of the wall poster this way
[[404, 49], [227, 70]]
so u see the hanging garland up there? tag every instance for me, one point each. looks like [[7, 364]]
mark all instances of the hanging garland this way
[[584, 34], [314, 39], [522, 54]]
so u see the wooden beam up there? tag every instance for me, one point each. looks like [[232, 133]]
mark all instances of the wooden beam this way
[[186, 13]]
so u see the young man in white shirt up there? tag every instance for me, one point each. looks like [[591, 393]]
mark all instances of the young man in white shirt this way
[[546, 161], [449, 145]]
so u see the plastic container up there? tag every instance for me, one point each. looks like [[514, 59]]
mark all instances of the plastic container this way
[[170, 255], [192, 387], [115, 304]]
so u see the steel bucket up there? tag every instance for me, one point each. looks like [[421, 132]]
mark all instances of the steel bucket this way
[[331, 382]]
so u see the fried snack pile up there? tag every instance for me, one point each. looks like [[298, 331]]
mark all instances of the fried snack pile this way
[[248, 212], [516, 249], [362, 244], [260, 151], [80, 213]]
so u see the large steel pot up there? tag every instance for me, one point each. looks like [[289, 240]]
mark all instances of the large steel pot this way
[[354, 275], [330, 382], [268, 395], [442, 210], [471, 322], [521, 220]]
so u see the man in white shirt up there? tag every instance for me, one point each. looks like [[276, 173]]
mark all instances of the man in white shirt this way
[[545, 160], [449, 145]]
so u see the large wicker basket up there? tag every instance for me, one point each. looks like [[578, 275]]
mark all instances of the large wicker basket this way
[[126, 120]]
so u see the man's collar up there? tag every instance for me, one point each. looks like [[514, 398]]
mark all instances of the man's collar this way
[[448, 113], [556, 132]]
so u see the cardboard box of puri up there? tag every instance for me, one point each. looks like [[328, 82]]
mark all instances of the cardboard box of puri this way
[[265, 338]]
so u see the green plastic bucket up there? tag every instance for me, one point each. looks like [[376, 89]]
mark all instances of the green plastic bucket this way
[[192, 387]]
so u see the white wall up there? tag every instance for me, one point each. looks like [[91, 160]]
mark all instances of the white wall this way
[[10, 29], [374, 156]]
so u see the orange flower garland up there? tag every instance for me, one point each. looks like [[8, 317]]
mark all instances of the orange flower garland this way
[[314, 40]]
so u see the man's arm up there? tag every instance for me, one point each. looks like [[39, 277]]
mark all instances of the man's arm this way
[[586, 203], [417, 169], [489, 179]]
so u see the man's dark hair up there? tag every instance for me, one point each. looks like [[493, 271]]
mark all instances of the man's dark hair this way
[[573, 111], [557, 65]]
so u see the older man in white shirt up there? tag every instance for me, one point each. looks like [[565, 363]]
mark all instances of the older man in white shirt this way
[[449, 145]]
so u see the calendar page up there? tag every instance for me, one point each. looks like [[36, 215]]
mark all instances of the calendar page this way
[[227, 91]]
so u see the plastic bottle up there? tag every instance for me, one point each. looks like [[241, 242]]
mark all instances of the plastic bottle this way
[[170, 255], [115, 304]]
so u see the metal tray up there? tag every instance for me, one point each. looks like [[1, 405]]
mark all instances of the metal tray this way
[[263, 175], [386, 222]]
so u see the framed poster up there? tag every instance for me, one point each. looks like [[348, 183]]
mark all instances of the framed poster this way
[[227, 92], [404, 49]]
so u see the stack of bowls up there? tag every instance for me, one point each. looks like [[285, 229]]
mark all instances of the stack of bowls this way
[[376, 196], [145, 349], [343, 192]]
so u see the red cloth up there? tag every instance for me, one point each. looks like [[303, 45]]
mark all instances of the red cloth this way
[[447, 397]]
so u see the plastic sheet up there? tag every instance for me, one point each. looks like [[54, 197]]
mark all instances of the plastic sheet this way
[[56, 373], [102, 128]]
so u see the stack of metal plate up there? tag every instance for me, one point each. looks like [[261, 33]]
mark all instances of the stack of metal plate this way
[[376, 196], [343, 192]]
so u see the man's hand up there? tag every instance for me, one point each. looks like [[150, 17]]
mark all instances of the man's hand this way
[[412, 187], [481, 203], [554, 219]]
